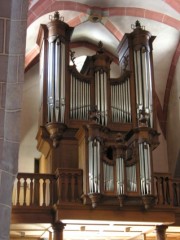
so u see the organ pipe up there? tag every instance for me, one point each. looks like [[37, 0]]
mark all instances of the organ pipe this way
[[58, 37], [143, 76], [145, 168], [131, 178], [121, 102], [56, 80], [79, 96], [108, 177], [101, 64], [120, 175], [101, 95], [94, 166]]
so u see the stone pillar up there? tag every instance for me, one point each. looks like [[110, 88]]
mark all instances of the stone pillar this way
[[13, 22], [161, 232], [58, 230]]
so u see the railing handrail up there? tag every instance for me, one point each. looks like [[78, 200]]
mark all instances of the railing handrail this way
[[35, 175], [166, 175]]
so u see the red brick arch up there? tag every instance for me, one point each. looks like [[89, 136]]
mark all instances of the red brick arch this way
[[45, 6]]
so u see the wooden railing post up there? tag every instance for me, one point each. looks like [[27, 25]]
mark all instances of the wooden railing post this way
[[24, 190], [44, 192], [36, 192], [73, 182], [31, 191], [18, 191]]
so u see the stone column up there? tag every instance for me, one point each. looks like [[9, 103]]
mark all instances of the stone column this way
[[58, 230], [161, 232], [13, 22]]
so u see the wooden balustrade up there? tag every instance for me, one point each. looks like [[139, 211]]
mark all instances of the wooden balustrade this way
[[167, 190], [34, 190], [66, 185], [176, 193], [69, 184]]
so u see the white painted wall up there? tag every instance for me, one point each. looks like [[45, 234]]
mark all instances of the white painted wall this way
[[29, 118], [173, 121], [160, 157]]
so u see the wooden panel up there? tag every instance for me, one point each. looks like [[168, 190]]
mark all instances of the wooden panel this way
[[32, 215], [66, 155]]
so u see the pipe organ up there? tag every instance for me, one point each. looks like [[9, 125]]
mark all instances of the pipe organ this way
[[102, 125]]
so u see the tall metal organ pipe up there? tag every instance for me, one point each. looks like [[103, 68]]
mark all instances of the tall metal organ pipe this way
[[101, 64], [56, 80], [94, 165], [58, 53], [142, 47], [101, 95], [145, 168], [120, 175]]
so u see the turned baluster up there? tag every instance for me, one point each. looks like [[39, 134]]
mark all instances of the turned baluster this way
[[24, 191], [178, 193], [60, 184], [66, 182], [159, 190], [31, 191], [162, 191], [171, 191], [80, 183], [36, 191], [168, 198], [18, 191], [51, 192], [73, 176], [44, 192]]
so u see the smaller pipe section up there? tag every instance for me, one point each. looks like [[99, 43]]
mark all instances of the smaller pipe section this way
[[121, 102], [145, 168], [120, 175], [94, 166]]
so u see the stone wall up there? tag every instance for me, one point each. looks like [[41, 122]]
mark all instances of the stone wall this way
[[13, 22]]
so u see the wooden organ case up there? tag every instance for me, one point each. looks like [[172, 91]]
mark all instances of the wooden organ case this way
[[105, 127]]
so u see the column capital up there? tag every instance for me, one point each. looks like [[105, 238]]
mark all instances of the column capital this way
[[58, 226], [58, 230]]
